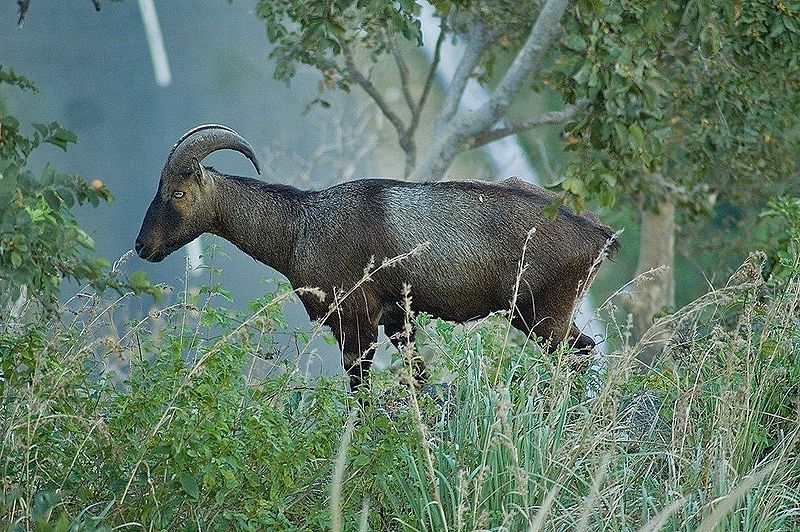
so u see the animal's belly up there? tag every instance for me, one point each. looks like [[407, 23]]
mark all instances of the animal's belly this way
[[458, 310], [453, 298]]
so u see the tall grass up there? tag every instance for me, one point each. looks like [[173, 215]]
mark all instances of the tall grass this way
[[178, 421]]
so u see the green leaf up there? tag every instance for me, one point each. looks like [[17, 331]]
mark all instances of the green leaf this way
[[653, 19], [575, 42], [62, 525], [582, 75], [189, 485], [410, 6], [12, 78], [52, 199], [41, 128], [552, 209], [777, 28], [637, 136], [62, 137], [621, 134], [84, 239], [574, 186]]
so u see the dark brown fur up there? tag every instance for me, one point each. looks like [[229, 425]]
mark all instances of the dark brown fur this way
[[476, 232]]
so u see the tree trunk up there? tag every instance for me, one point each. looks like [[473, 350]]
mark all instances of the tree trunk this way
[[656, 289], [16, 311]]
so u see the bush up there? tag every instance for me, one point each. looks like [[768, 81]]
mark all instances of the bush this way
[[184, 419], [41, 243]]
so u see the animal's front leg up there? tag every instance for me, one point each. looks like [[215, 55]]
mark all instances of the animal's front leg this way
[[396, 333], [357, 337]]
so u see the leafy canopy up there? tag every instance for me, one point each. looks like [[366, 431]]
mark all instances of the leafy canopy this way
[[691, 99], [687, 99]]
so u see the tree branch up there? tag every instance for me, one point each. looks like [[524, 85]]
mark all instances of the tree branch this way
[[24, 5], [402, 68], [526, 61], [453, 135], [478, 41], [372, 91], [407, 141], [410, 147], [552, 117], [407, 135], [437, 54]]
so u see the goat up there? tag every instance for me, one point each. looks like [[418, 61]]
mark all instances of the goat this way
[[324, 239]]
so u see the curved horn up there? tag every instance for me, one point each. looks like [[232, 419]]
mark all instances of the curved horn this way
[[203, 140], [192, 131]]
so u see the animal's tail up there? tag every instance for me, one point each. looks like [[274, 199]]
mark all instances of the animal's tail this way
[[611, 240]]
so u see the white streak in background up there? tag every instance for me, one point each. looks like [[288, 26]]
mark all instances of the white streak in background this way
[[506, 154], [158, 54], [155, 42], [194, 251]]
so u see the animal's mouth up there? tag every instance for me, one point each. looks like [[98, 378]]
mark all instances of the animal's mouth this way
[[157, 255]]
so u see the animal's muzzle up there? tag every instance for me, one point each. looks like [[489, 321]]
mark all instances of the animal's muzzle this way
[[149, 253]]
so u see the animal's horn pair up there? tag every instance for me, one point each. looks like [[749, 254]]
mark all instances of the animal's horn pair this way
[[199, 142]]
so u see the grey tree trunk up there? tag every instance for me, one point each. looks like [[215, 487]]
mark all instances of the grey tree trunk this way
[[656, 289], [16, 313]]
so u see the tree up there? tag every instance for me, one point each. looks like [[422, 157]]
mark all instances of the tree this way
[[669, 103], [333, 36], [693, 103]]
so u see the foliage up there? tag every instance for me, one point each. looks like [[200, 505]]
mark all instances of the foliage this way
[[690, 99], [345, 40], [179, 422], [783, 238], [41, 243], [313, 33]]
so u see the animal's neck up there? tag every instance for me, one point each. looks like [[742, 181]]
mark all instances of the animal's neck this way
[[262, 220]]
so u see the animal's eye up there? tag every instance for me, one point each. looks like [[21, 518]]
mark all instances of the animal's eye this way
[[177, 194]]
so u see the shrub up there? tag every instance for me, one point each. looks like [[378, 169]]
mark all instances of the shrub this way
[[185, 420], [41, 243]]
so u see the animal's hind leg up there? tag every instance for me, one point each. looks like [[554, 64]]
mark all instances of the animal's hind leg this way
[[582, 342], [397, 335]]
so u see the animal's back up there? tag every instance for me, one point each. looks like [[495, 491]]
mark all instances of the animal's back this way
[[473, 233]]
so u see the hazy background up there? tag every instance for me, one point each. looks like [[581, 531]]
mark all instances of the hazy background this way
[[96, 78]]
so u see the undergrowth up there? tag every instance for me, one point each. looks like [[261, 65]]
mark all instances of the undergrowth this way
[[182, 420]]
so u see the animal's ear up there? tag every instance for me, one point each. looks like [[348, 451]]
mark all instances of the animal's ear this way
[[199, 172]]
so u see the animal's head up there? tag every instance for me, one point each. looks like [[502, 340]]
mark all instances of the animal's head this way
[[184, 205]]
